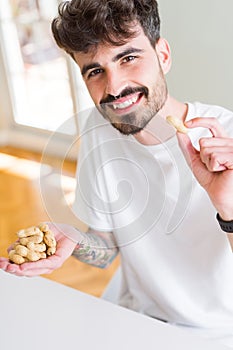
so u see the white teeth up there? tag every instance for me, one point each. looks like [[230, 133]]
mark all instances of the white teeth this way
[[125, 104]]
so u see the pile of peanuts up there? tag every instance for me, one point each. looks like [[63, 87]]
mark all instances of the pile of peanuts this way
[[34, 243]]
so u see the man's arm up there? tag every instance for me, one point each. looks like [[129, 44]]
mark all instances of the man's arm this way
[[96, 248]]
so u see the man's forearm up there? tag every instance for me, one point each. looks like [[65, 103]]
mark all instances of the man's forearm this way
[[95, 248]]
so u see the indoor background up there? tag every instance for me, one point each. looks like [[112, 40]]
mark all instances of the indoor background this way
[[44, 104]]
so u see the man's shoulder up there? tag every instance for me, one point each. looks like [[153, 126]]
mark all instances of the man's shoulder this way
[[207, 110], [224, 116]]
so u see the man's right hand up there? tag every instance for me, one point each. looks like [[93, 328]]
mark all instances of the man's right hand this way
[[65, 247]]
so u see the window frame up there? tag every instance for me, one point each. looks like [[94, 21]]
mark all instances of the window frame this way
[[29, 137]]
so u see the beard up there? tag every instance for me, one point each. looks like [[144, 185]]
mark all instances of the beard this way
[[134, 122]]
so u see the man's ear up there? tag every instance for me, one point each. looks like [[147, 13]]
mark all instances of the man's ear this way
[[164, 54]]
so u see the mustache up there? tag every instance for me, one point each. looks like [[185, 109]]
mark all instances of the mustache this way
[[127, 91]]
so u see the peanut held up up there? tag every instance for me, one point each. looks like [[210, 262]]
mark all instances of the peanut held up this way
[[33, 244]]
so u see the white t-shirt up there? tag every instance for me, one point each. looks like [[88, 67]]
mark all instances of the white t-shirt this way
[[177, 264]]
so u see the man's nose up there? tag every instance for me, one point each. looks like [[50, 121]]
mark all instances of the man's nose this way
[[116, 82]]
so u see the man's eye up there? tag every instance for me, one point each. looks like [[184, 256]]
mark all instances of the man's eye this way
[[95, 72], [129, 58]]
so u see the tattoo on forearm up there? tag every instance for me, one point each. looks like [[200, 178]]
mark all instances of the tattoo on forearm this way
[[96, 249]]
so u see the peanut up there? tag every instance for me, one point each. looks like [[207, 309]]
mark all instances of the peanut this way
[[37, 247], [28, 232], [38, 238], [177, 123], [23, 241], [33, 256], [51, 251], [43, 227], [33, 244], [16, 258], [49, 239], [21, 250]]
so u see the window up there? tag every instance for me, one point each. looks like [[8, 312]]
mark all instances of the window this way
[[39, 74]]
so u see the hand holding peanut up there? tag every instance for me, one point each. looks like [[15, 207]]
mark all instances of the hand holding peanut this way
[[33, 244]]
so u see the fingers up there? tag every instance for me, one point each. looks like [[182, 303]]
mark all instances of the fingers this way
[[216, 162], [217, 154], [31, 269], [22, 270], [43, 266], [224, 143], [4, 263], [9, 267], [210, 123]]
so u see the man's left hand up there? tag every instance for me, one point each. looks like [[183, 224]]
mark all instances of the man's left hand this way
[[213, 164]]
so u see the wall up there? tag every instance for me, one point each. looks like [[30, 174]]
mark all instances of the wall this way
[[200, 34], [5, 109]]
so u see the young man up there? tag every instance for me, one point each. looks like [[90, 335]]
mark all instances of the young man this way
[[144, 191]]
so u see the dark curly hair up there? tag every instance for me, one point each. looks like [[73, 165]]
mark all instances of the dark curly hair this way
[[82, 24]]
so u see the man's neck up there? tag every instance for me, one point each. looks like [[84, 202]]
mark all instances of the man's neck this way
[[158, 130]]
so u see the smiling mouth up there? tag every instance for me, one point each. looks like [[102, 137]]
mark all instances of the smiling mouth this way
[[125, 103]]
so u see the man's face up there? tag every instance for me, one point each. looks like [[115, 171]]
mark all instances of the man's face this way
[[125, 82]]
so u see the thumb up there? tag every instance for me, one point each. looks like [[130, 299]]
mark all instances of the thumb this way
[[190, 153], [193, 159]]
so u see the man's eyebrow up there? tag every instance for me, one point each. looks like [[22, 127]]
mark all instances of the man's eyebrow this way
[[126, 52], [87, 67]]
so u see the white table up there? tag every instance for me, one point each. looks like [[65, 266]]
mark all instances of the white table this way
[[36, 314]]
